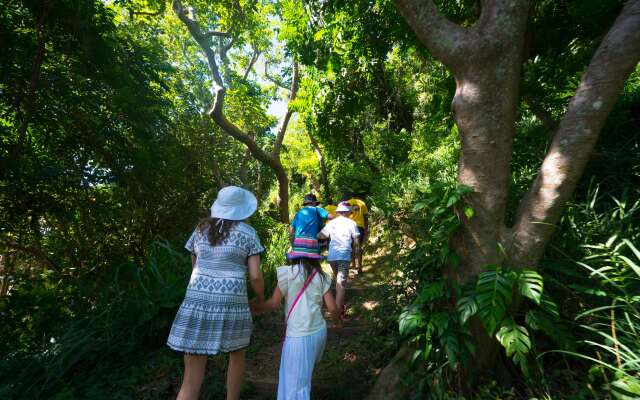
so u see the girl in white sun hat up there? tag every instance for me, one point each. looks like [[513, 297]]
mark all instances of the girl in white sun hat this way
[[214, 316]]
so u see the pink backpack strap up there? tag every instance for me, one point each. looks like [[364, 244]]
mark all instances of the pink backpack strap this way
[[300, 293]]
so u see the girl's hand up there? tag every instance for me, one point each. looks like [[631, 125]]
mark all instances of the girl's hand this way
[[256, 306], [259, 305], [338, 325]]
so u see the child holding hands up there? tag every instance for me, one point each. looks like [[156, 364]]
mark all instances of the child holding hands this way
[[304, 286]]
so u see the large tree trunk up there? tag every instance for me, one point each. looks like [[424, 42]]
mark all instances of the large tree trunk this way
[[485, 106], [485, 60]]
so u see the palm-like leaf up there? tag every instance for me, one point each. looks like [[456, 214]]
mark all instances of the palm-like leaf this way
[[467, 307], [515, 339], [493, 294], [530, 285]]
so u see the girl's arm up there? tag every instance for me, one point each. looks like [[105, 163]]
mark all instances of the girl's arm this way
[[274, 302], [193, 260], [269, 305], [255, 277], [333, 309]]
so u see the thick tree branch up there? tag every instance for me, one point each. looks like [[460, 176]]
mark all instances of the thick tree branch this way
[[540, 209], [218, 88], [223, 49], [217, 34], [202, 41], [287, 117], [446, 40]]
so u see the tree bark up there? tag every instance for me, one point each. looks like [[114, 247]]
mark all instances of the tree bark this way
[[324, 175], [485, 59], [389, 384], [575, 138]]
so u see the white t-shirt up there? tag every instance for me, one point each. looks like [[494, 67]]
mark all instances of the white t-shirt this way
[[342, 231], [306, 318]]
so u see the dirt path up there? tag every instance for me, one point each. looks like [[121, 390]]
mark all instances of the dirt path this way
[[351, 360]]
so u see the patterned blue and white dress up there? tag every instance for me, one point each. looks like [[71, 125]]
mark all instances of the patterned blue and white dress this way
[[214, 316]]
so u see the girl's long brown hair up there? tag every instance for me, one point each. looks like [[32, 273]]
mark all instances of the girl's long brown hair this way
[[309, 266], [218, 229]]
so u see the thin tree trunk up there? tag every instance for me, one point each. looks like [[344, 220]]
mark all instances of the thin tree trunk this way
[[283, 193], [24, 116], [271, 159], [324, 175]]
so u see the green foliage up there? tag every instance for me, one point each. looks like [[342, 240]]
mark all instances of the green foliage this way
[[613, 331], [116, 325], [515, 339], [275, 238], [495, 301]]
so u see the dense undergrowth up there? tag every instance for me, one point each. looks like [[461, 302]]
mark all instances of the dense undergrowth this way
[[103, 336]]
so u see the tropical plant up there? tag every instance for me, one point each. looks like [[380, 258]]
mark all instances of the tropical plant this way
[[613, 329]]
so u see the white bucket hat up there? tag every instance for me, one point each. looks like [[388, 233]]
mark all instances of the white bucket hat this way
[[343, 207], [234, 203]]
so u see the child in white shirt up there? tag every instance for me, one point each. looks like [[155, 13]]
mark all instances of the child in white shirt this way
[[345, 240], [304, 286]]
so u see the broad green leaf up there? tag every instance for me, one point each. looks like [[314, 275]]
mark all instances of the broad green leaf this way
[[493, 294], [515, 339], [410, 319], [467, 307], [419, 206], [530, 285], [431, 291], [452, 200], [440, 321]]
